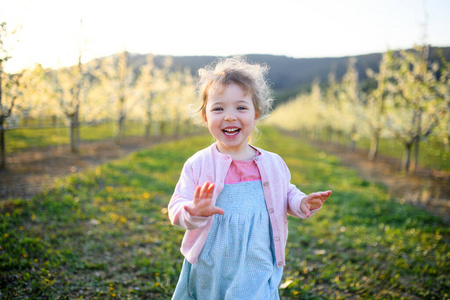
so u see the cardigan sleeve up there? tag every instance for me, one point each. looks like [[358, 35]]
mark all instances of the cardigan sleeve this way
[[182, 196]]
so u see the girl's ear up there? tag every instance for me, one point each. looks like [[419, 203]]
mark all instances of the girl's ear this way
[[204, 118]]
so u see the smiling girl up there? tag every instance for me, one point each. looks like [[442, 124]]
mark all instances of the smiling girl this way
[[232, 197]]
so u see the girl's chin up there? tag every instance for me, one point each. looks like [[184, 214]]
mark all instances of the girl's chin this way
[[232, 145]]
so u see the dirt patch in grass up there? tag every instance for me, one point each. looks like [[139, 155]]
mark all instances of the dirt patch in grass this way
[[31, 171], [426, 188]]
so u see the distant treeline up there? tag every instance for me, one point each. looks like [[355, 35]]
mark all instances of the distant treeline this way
[[289, 75]]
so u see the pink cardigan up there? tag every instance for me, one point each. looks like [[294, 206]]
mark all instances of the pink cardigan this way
[[209, 164]]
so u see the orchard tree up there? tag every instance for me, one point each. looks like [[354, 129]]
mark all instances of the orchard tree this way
[[186, 97], [443, 90], [101, 97], [375, 109], [38, 98], [332, 108], [414, 111], [162, 97], [179, 97], [114, 78], [146, 86], [124, 79], [299, 114], [69, 85], [9, 92], [319, 111], [350, 102]]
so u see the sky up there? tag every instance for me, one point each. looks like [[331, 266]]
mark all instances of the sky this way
[[52, 31]]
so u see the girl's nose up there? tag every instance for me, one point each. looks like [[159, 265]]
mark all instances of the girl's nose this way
[[230, 117]]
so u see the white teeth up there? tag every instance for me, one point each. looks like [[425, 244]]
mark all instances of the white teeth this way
[[231, 131]]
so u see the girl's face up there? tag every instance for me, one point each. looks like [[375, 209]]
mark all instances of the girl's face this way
[[230, 117]]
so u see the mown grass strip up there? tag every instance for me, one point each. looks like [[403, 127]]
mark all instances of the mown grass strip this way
[[104, 233], [433, 153], [25, 138]]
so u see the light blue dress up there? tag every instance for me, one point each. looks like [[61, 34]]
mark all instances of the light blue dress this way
[[238, 258]]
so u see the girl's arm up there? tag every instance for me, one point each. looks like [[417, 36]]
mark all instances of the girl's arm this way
[[188, 207]]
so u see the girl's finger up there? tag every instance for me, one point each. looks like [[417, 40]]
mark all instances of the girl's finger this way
[[204, 190], [327, 193], [308, 211], [210, 190], [313, 196], [218, 210], [197, 194], [188, 209]]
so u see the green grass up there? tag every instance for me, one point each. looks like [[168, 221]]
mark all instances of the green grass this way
[[432, 152], [105, 234], [22, 139]]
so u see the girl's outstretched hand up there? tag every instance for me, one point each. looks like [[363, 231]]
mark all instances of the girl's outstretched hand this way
[[313, 201], [202, 204]]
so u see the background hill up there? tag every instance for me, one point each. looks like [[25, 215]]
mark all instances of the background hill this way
[[289, 75]]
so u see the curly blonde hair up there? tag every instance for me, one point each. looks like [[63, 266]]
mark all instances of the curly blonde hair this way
[[250, 77]]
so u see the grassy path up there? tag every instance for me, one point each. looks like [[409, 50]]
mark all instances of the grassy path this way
[[104, 234]]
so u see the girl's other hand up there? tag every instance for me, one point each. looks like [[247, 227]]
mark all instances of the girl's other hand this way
[[313, 201], [202, 204]]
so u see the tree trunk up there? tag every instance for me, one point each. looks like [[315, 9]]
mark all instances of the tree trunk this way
[[162, 128], [148, 125], [407, 161], [120, 129], [447, 143], [74, 134], [416, 153], [373, 153], [177, 127], [329, 134], [353, 138], [417, 140], [121, 121], [2, 147], [340, 137]]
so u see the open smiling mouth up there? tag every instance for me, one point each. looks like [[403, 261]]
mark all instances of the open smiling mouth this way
[[231, 131]]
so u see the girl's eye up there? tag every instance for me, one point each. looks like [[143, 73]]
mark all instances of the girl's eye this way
[[241, 108], [217, 109]]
